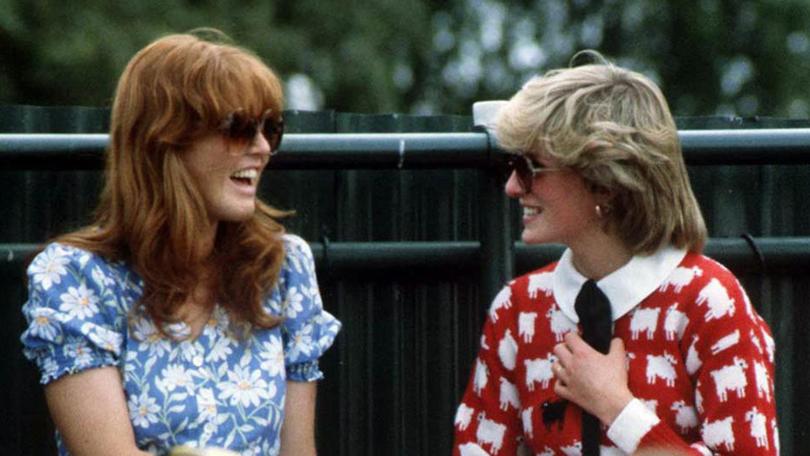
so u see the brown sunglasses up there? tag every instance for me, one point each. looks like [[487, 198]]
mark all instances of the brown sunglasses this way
[[241, 127], [525, 168]]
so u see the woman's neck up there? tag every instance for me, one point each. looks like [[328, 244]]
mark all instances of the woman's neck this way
[[599, 257], [207, 238]]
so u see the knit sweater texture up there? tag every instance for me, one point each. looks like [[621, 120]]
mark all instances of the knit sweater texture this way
[[699, 360]]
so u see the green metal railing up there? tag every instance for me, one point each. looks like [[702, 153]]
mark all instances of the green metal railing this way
[[492, 258], [495, 254], [411, 150]]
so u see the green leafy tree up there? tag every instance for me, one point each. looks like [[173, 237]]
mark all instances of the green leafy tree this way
[[741, 57]]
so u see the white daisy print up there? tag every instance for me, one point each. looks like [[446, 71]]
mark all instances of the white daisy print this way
[[50, 267], [49, 367], [294, 302], [302, 342], [176, 376], [44, 324], [206, 404], [143, 410], [100, 278], [246, 388], [103, 337], [79, 351], [153, 342], [79, 302], [272, 355], [221, 349]]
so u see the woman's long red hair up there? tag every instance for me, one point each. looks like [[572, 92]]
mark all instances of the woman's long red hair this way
[[150, 213]]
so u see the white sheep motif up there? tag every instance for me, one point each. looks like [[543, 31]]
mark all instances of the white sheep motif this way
[[481, 376], [526, 418], [725, 342], [490, 432], [759, 430], [763, 381], [730, 377], [770, 346], [526, 321], [716, 433], [507, 350], [463, 416], [755, 340], [680, 278], [509, 395], [644, 320], [685, 416], [540, 282], [661, 367], [539, 371], [674, 323], [716, 297], [560, 324], [693, 361], [503, 300], [472, 449]]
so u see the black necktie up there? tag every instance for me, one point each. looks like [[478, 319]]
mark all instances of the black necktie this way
[[595, 316]]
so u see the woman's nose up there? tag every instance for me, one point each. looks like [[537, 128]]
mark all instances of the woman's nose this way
[[513, 188], [260, 145]]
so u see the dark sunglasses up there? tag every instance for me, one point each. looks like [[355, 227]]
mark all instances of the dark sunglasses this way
[[526, 170], [240, 127]]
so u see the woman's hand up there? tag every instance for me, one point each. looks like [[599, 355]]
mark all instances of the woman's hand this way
[[595, 382]]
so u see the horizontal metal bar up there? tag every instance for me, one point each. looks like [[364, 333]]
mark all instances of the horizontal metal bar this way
[[384, 150], [298, 151], [746, 147], [410, 150], [375, 256], [782, 254]]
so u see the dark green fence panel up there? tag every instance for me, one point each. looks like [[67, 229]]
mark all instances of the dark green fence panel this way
[[410, 333]]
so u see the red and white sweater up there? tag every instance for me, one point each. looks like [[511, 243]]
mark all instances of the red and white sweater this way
[[699, 360]]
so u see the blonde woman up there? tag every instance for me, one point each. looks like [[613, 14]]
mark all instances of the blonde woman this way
[[633, 340]]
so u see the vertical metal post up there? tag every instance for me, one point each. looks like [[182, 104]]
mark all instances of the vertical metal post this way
[[497, 251]]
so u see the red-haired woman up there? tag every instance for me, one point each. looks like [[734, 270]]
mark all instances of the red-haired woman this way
[[183, 315]]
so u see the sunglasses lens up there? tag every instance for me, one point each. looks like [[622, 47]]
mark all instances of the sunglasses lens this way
[[240, 128], [520, 166], [273, 130]]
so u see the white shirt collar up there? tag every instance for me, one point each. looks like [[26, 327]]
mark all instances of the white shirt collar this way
[[625, 287]]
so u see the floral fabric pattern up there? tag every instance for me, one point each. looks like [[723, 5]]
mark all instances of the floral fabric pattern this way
[[225, 388]]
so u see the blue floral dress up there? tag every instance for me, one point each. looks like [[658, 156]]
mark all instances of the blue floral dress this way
[[221, 389]]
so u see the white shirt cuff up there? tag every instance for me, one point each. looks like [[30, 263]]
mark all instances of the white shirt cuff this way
[[632, 424]]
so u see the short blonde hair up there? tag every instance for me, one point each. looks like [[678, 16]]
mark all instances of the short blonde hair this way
[[612, 126]]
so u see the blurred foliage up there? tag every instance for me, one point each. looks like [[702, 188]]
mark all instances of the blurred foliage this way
[[737, 57]]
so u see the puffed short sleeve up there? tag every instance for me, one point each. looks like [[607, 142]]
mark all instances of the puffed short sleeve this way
[[72, 313], [308, 330]]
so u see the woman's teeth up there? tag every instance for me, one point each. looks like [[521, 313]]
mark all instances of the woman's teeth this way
[[530, 211], [249, 175]]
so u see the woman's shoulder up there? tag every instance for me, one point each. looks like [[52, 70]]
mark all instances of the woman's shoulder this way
[[59, 261], [295, 244], [57, 258], [697, 271], [297, 254]]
